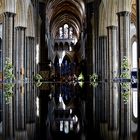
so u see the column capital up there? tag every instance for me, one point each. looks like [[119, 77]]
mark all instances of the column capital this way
[[20, 27], [123, 13], [9, 14], [112, 27], [103, 36], [30, 37]]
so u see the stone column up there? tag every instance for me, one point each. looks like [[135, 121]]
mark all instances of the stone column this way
[[113, 72], [20, 130], [19, 49], [124, 51], [138, 48], [102, 48], [8, 30], [8, 41], [30, 60]]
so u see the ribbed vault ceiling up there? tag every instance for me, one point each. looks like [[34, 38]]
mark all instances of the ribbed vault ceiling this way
[[60, 12]]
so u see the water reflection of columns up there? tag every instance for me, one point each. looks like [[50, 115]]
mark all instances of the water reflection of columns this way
[[30, 89], [8, 26], [20, 128], [124, 51], [30, 110]]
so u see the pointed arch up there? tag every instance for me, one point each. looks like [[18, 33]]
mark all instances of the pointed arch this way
[[111, 11], [21, 13], [9, 6], [56, 60], [124, 5], [2, 5], [30, 22], [66, 57], [102, 20]]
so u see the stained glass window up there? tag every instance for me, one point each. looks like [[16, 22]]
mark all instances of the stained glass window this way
[[66, 32]]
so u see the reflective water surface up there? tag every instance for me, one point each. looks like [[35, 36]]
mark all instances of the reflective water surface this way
[[67, 110]]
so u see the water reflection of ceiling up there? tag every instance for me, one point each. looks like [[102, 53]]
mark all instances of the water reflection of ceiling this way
[[60, 12]]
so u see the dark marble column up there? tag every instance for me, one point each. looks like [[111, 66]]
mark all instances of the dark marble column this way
[[8, 42], [113, 72], [8, 31], [124, 51], [30, 57], [20, 129], [19, 52], [102, 62]]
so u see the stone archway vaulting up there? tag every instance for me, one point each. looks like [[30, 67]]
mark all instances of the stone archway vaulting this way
[[21, 13], [30, 22], [59, 12], [124, 5], [9, 6], [102, 20], [111, 13]]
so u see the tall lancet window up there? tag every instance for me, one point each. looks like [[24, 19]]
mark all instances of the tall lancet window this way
[[66, 31], [70, 32], [60, 33], [134, 76]]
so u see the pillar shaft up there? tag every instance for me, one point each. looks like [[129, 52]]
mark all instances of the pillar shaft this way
[[113, 72], [102, 48], [19, 52], [30, 57], [124, 51], [138, 48], [8, 42]]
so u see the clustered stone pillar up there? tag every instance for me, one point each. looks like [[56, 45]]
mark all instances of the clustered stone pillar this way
[[30, 57], [124, 51], [8, 42], [19, 73], [19, 52], [102, 48], [113, 73], [138, 48]]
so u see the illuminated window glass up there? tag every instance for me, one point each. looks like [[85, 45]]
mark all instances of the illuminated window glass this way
[[60, 32], [134, 55], [66, 30], [70, 32], [135, 104], [134, 68]]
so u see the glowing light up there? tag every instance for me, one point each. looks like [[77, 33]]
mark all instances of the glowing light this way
[[37, 106], [135, 104], [134, 55], [37, 53]]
